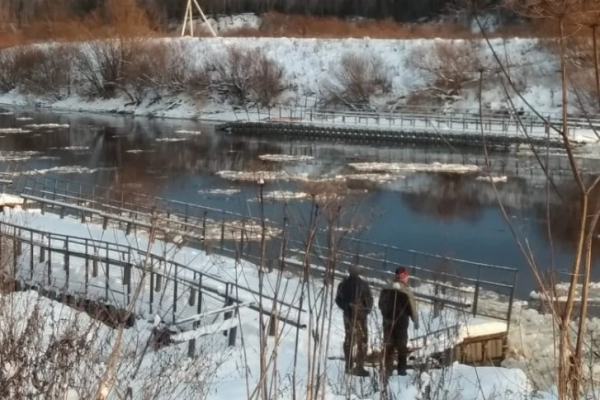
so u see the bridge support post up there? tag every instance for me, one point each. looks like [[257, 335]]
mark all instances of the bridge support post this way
[[192, 298], [95, 266], [192, 348], [273, 323], [158, 283]]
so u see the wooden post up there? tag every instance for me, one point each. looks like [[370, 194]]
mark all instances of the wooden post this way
[[87, 268], [273, 322], [107, 274], [175, 294], [232, 336], [158, 283], [127, 281], [204, 231], [222, 233], [151, 299], [192, 298], [31, 254], [200, 294], [192, 348], [127, 274], [19, 242], [437, 307], [228, 302], [49, 260], [67, 272], [42, 251], [15, 255], [95, 263]]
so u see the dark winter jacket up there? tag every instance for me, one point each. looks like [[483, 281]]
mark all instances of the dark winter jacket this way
[[354, 296], [397, 304]]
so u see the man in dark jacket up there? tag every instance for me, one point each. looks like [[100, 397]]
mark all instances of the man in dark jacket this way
[[355, 299], [397, 304]]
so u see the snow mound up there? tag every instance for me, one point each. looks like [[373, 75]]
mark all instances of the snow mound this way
[[413, 167], [284, 158], [24, 119], [10, 200]]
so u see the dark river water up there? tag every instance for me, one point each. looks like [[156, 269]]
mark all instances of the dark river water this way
[[451, 214]]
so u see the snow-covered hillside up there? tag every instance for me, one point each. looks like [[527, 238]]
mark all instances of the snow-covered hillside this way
[[309, 64]]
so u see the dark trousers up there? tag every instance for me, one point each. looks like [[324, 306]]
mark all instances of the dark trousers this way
[[395, 340], [357, 335]]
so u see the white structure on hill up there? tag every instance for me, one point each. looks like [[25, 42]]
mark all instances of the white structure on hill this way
[[188, 18]]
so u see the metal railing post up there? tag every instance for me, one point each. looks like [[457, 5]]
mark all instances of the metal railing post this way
[[476, 294], [510, 301]]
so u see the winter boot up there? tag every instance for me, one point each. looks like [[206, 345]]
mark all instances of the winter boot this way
[[347, 361]]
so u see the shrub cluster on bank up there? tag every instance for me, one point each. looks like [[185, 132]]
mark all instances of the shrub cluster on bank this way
[[141, 70], [147, 71]]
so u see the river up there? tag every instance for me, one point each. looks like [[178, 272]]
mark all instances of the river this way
[[453, 214]]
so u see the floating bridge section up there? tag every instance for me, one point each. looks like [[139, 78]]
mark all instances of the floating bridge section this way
[[465, 129]]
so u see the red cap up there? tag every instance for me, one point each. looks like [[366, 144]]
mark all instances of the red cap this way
[[402, 273]]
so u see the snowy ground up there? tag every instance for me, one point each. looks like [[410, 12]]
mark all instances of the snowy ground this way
[[231, 382]]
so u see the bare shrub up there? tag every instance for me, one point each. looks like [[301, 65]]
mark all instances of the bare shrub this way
[[48, 72], [356, 79], [148, 71], [267, 80], [163, 68], [197, 82], [249, 76], [451, 65], [102, 66], [9, 73]]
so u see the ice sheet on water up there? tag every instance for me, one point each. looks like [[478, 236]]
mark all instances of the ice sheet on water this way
[[14, 130], [171, 139], [220, 192], [413, 167], [184, 132], [284, 158], [66, 170], [492, 179], [47, 126]]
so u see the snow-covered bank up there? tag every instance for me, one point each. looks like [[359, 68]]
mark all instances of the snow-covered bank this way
[[308, 64]]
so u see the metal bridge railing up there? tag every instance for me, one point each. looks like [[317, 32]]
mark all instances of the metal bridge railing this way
[[237, 236]]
